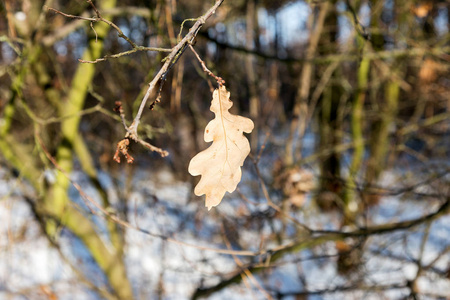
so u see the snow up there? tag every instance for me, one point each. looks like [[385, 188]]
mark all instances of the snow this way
[[163, 205]]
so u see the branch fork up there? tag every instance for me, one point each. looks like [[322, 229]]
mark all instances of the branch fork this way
[[169, 62]]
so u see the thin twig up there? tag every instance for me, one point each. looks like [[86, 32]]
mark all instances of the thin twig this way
[[182, 26], [124, 53], [119, 31], [246, 273], [219, 80], [99, 18], [360, 29], [161, 152], [119, 109], [164, 76], [273, 205], [440, 51], [122, 146], [263, 147], [72, 16], [175, 51]]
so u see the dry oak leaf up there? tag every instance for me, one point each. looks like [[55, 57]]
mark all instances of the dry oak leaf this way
[[220, 164]]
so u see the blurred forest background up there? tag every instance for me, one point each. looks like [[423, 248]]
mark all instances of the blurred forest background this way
[[345, 194]]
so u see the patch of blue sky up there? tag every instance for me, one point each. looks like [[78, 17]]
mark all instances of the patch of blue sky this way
[[441, 21], [293, 19]]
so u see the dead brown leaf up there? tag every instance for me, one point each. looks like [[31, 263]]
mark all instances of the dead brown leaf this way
[[220, 164]]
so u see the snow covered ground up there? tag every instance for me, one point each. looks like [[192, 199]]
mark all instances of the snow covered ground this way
[[30, 268]]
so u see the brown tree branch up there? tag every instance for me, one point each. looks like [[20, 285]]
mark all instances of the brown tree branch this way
[[177, 50], [169, 61], [440, 51], [319, 237], [219, 80], [99, 18]]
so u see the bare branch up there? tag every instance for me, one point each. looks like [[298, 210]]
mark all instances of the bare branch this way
[[440, 51], [161, 152], [219, 80], [99, 18], [138, 48], [119, 109], [72, 16], [168, 62], [122, 146]]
